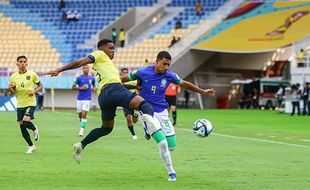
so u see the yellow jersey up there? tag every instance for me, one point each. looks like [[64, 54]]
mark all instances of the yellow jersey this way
[[121, 36], [132, 83], [104, 68], [24, 84]]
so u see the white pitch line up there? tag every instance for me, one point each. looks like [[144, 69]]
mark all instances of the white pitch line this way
[[253, 139], [229, 136], [72, 114]]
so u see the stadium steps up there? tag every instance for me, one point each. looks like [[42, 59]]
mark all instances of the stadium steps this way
[[161, 38], [19, 39], [95, 16], [34, 20]]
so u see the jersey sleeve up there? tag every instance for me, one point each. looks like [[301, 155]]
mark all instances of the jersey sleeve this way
[[176, 79], [134, 75], [36, 78], [95, 56]]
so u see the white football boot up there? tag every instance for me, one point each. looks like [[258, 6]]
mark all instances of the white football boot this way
[[77, 152], [36, 134], [81, 133], [31, 149]]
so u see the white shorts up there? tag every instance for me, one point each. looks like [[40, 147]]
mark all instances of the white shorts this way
[[165, 123], [82, 105]]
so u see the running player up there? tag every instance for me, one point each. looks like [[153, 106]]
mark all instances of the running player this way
[[171, 98], [130, 114], [112, 94], [154, 81], [84, 84], [22, 84]]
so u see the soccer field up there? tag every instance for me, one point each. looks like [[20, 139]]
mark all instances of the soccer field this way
[[248, 149]]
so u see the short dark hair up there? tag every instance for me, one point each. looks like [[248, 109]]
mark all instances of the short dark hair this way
[[103, 42], [123, 69], [20, 57], [164, 54]]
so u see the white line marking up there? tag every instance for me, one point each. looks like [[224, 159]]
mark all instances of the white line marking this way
[[253, 139], [306, 140], [72, 114], [229, 136]]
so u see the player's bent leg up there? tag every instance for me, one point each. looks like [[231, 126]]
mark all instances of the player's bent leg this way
[[160, 138], [91, 137], [172, 142], [25, 134], [96, 134], [140, 104]]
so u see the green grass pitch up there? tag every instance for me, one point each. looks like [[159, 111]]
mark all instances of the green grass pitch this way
[[248, 149]]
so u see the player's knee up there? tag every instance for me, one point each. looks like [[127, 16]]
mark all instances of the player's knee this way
[[134, 119], [146, 108], [172, 143], [171, 149], [106, 130]]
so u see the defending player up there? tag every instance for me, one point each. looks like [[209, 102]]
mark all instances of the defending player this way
[[112, 94], [155, 79], [130, 114], [84, 84], [22, 85]]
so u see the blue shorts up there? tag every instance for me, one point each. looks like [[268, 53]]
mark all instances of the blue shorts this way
[[112, 96], [29, 111]]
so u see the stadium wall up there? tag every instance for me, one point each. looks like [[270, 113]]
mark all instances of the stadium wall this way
[[65, 99]]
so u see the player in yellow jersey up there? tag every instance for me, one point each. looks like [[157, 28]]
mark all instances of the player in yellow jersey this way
[[112, 94], [130, 114], [22, 84]]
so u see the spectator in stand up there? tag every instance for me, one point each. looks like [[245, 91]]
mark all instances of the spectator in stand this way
[[76, 16], [301, 58], [295, 99], [64, 16], [114, 35], [173, 41], [121, 37], [305, 98], [146, 63], [62, 4], [178, 24], [198, 8], [70, 16]]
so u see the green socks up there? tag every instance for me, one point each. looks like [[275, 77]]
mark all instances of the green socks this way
[[83, 123]]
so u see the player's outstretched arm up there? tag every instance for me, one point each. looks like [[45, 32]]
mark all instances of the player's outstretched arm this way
[[73, 65], [192, 87]]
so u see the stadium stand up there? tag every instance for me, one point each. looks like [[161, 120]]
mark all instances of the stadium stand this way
[[17, 37], [66, 36], [161, 38]]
